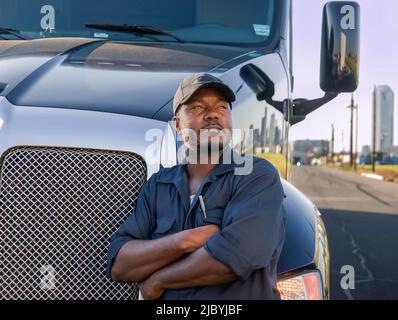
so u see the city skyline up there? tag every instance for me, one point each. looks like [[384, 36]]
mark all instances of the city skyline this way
[[268, 136], [378, 64]]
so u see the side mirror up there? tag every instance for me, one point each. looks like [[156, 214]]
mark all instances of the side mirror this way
[[261, 85], [340, 47], [258, 81]]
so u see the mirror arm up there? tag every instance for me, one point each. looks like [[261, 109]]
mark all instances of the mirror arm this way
[[278, 105], [303, 107]]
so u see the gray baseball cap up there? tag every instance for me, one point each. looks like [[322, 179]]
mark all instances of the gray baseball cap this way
[[190, 85]]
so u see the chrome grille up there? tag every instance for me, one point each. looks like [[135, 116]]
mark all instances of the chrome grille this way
[[58, 210]]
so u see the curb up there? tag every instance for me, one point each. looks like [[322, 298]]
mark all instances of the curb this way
[[372, 176]]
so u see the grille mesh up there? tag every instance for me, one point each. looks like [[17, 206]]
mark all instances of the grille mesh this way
[[58, 210]]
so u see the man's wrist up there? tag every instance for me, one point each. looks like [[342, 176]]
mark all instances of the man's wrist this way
[[156, 280], [185, 240]]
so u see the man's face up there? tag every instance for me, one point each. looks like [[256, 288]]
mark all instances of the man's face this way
[[207, 115]]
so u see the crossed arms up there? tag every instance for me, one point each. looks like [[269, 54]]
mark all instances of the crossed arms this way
[[173, 262]]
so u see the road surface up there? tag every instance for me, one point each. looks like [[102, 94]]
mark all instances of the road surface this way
[[361, 218]]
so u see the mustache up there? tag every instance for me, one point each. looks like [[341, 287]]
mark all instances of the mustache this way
[[212, 126]]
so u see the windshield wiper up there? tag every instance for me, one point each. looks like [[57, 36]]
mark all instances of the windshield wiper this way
[[15, 33], [135, 29]]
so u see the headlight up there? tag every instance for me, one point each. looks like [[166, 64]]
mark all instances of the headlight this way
[[306, 286]]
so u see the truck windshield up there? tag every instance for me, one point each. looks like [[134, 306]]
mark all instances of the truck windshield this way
[[237, 22]]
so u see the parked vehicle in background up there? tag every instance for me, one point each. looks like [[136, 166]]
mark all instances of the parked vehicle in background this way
[[77, 83]]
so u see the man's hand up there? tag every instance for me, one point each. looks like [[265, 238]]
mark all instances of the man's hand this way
[[198, 269], [150, 288]]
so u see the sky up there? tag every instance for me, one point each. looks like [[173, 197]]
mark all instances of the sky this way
[[378, 66]]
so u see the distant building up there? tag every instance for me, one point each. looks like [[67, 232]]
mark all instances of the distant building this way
[[256, 138], [277, 135], [383, 108], [264, 131], [394, 155], [365, 156], [271, 138], [250, 139], [306, 150], [366, 150], [394, 151]]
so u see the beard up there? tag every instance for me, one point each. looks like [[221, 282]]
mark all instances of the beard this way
[[209, 147]]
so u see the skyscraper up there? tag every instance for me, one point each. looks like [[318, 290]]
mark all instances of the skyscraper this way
[[383, 110], [263, 133], [271, 138]]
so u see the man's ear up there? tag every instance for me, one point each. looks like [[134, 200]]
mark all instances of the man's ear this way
[[176, 123]]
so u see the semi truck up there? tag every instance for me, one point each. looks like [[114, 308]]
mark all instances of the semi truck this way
[[83, 87]]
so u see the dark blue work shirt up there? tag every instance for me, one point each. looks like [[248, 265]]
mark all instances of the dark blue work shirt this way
[[247, 208]]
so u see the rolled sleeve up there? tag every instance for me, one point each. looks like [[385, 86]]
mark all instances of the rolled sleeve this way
[[137, 226], [253, 225]]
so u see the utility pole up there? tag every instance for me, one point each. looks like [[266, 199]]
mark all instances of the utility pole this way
[[356, 137], [342, 143], [332, 144], [352, 107], [374, 132]]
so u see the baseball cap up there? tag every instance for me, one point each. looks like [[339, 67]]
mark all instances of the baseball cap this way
[[190, 85]]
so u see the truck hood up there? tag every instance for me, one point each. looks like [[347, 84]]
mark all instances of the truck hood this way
[[80, 129], [119, 77]]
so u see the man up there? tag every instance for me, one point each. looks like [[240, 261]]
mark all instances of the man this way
[[199, 231]]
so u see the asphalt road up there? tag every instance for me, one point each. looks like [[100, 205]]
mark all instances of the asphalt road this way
[[361, 218]]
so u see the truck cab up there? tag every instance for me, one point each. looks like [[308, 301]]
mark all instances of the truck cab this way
[[86, 95]]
